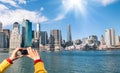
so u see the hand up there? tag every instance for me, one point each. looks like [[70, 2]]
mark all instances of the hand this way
[[33, 54], [14, 55]]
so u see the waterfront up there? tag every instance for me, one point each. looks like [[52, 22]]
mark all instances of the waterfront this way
[[71, 62]]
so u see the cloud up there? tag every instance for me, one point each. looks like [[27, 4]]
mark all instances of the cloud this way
[[11, 2], [105, 2], [11, 16], [22, 1], [3, 7], [42, 9], [59, 17], [8, 15]]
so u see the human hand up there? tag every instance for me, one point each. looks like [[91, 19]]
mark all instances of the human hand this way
[[33, 54], [14, 55]]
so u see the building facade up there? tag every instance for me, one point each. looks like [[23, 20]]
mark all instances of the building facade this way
[[69, 36], [2, 40], [7, 35], [55, 39], [0, 26], [117, 39], [15, 38], [43, 38], [102, 40], [110, 37], [26, 33]]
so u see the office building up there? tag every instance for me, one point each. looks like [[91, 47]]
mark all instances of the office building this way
[[26, 33], [102, 40], [0, 26], [55, 39], [43, 38], [7, 35], [38, 31], [2, 40], [117, 39], [113, 36], [15, 38], [33, 34], [69, 36], [110, 37]]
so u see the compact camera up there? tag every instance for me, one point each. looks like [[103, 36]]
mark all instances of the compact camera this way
[[24, 52]]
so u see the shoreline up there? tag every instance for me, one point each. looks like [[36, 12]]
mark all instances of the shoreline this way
[[104, 49]]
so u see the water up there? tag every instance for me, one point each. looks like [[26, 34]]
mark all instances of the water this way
[[71, 62]]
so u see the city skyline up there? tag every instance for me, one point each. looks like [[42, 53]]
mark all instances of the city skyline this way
[[82, 15]]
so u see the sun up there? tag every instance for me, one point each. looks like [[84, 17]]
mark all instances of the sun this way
[[74, 5]]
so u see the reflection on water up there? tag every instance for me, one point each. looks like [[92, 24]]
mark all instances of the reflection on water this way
[[71, 62]]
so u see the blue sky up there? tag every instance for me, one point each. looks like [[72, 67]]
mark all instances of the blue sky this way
[[87, 17]]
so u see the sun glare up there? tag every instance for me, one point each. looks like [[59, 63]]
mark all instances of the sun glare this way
[[74, 5]]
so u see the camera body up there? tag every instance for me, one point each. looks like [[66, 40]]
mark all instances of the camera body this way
[[24, 52]]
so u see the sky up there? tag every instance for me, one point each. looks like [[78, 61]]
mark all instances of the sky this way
[[86, 17]]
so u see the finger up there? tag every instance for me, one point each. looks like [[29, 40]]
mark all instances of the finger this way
[[36, 53], [28, 50]]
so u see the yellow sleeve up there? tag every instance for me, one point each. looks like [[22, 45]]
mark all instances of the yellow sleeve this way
[[39, 68], [4, 65]]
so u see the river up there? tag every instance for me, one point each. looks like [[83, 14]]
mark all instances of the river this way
[[70, 62]]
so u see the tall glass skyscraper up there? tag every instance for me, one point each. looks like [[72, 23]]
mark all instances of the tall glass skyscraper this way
[[0, 26], [69, 37], [26, 33]]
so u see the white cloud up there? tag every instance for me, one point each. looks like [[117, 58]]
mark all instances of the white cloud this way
[[59, 17], [42, 9], [11, 2], [22, 1], [3, 7], [105, 2], [8, 17]]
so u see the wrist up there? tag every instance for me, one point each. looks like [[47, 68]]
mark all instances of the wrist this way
[[37, 60], [9, 60]]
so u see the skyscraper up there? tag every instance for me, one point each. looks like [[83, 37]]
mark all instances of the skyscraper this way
[[38, 31], [7, 34], [69, 37], [44, 38], [26, 33], [55, 39], [117, 39], [113, 36], [2, 40], [15, 38], [110, 37], [0, 26], [102, 40]]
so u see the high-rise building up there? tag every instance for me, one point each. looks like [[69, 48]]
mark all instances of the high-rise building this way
[[26, 33], [113, 36], [55, 39], [0, 26], [102, 40], [110, 37], [15, 38], [117, 39], [43, 38], [7, 34], [38, 31], [2, 40], [69, 36], [33, 34]]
